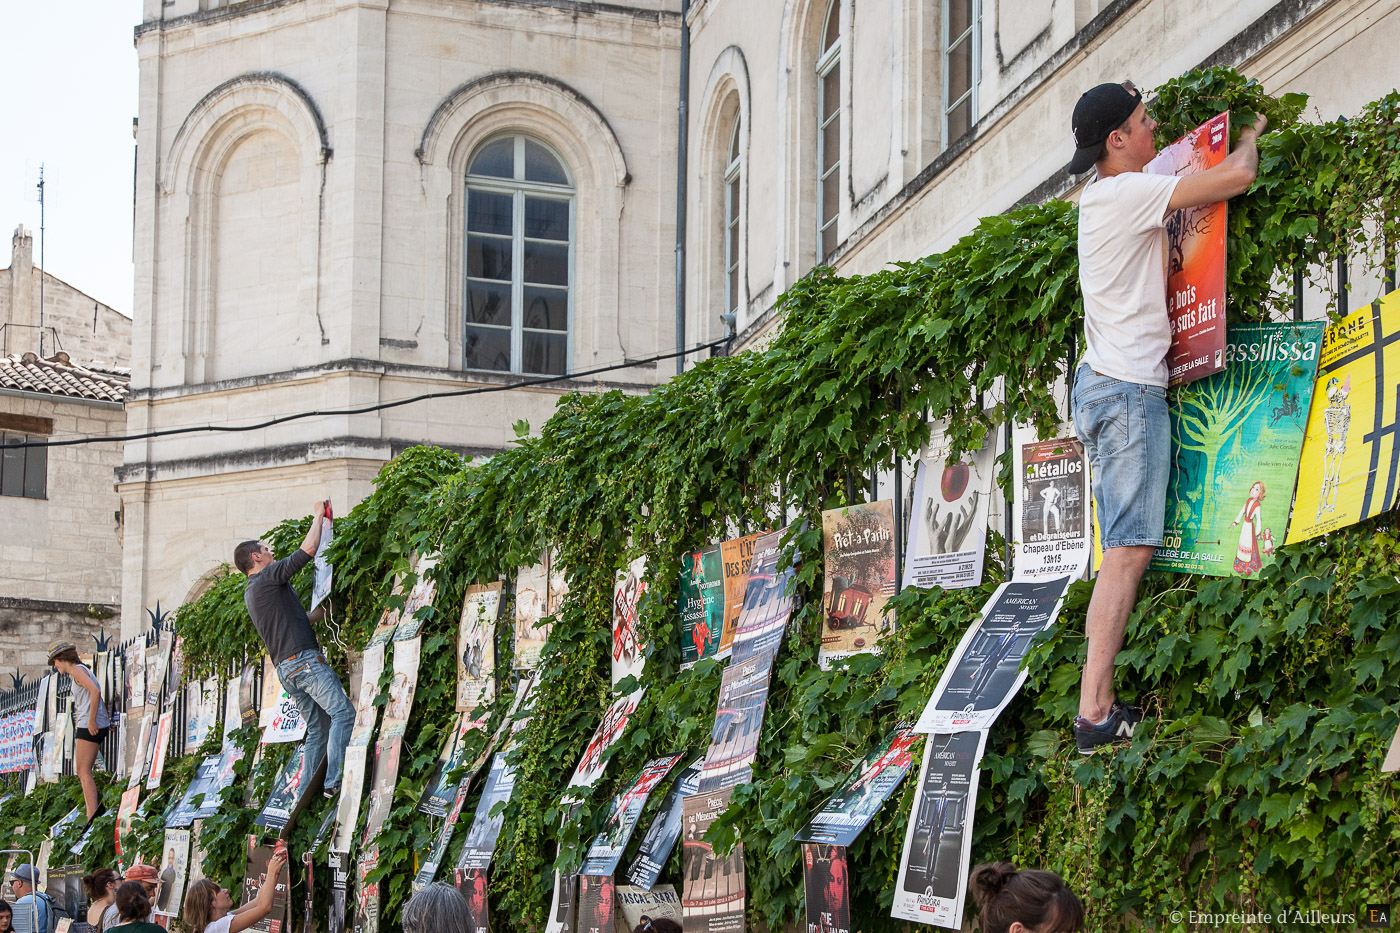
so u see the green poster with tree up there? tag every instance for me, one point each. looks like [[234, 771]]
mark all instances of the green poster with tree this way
[[1236, 439]]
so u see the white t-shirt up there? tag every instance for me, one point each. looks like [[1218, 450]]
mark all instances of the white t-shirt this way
[[221, 925], [1122, 270]]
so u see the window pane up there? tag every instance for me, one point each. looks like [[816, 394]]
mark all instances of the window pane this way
[[959, 18], [959, 69], [733, 200], [496, 159], [546, 264], [959, 120], [831, 92], [831, 195], [488, 258], [12, 466], [732, 299], [488, 304], [540, 165], [828, 241], [35, 468], [832, 32], [489, 212], [831, 145], [546, 308], [546, 219], [488, 348], [545, 353], [734, 142]]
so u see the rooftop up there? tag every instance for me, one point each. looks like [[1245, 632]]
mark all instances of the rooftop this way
[[58, 375]]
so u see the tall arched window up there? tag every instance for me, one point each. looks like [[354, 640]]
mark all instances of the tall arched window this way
[[519, 258], [732, 173], [829, 131]]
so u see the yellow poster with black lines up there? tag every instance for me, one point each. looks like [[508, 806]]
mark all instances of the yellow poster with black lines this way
[[1351, 458]]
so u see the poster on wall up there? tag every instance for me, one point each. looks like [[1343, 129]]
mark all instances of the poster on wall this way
[[737, 557], [204, 784], [628, 652], [1236, 439], [947, 539], [428, 868], [419, 598], [1350, 466], [1195, 241], [136, 674], [387, 752], [768, 598], [476, 646], [125, 812], [253, 878], [985, 669], [596, 907], [712, 895], [223, 781], [1052, 506], [161, 747], [472, 883], [531, 608], [743, 698], [606, 850], [933, 868], [827, 887], [282, 719], [865, 789], [366, 892], [480, 843], [366, 713], [139, 761], [658, 903], [402, 686], [701, 605], [441, 790], [655, 847], [352, 784], [286, 790], [247, 696], [858, 542], [591, 765], [174, 867]]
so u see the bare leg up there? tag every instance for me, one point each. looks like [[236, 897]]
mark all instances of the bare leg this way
[[1115, 594], [84, 756]]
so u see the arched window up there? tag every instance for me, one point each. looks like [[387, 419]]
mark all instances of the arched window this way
[[732, 175], [829, 131], [519, 259]]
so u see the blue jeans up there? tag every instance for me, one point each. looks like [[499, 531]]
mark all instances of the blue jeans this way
[[1127, 436], [316, 690]]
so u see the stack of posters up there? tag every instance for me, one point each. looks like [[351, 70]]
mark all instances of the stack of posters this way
[[628, 653], [860, 578], [947, 539], [476, 646], [701, 605]]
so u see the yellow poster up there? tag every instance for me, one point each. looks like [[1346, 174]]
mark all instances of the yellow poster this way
[[1351, 459]]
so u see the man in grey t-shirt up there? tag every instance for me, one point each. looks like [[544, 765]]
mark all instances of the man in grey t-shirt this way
[[286, 632]]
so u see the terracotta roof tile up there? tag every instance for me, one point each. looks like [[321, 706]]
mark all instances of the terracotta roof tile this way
[[61, 376]]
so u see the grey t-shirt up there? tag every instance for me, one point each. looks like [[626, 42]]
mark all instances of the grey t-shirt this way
[[82, 703], [276, 609]]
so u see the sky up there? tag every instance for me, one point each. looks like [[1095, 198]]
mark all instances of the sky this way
[[71, 94]]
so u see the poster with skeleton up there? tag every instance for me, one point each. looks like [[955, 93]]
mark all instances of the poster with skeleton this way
[[1052, 506], [858, 542], [476, 646], [947, 537], [628, 653]]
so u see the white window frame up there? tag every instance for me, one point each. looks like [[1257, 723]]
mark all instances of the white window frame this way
[[733, 203], [519, 189], [829, 59], [974, 34]]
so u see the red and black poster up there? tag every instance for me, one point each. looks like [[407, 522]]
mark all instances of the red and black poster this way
[[828, 888], [596, 904], [472, 883]]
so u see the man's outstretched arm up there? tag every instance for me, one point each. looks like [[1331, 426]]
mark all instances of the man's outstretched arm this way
[[1232, 176], [313, 534]]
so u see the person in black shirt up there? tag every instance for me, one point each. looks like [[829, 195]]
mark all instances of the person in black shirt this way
[[286, 632]]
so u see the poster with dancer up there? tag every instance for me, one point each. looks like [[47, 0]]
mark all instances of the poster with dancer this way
[[947, 539], [1052, 506], [419, 598], [1350, 467], [480, 843], [402, 687], [866, 788], [472, 883], [476, 646], [594, 760], [712, 888], [985, 669], [596, 907], [737, 556], [827, 887], [428, 869], [743, 698], [768, 597], [655, 847], [352, 784], [164, 725], [933, 868], [628, 652], [637, 904], [1196, 258], [286, 790], [387, 752], [1236, 439], [174, 867], [321, 581], [366, 713], [606, 850], [701, 605], [531, 608], [858, 541]]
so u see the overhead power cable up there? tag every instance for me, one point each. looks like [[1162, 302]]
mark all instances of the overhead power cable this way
[[381, 406]]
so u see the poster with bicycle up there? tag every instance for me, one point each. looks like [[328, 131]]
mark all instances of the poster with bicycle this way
[[947, 538]]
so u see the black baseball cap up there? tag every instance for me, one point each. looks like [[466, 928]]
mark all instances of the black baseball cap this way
[[1100, 111]]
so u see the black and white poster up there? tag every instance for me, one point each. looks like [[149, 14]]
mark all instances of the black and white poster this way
[[441, 790], [827, 887], [1052, 507], [933, 870], [713, 887], [480, 844], [948, 524], [606, 850], [660, 838], [768, 598], [743, 697], [985, 669], [869, 784], [428, 870]]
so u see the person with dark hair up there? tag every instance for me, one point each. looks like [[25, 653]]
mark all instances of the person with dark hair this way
[[101, 887], [149, 879], [7, 917], [134, 906], [91, 719], [208, 908], [438, 908], [1028, 900], [659, 925], [286, 633]]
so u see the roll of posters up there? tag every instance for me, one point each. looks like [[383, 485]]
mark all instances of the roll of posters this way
[[866, 788], [859, 545], [947, 538], [655, 847]]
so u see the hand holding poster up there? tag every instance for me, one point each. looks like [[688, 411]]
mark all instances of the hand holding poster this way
[[948, 523], [859, 544], [321, 587]]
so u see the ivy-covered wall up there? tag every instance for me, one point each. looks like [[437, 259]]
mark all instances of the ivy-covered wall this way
[[1254, 783]]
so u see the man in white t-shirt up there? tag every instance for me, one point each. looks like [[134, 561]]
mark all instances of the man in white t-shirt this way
[[1119, 399]]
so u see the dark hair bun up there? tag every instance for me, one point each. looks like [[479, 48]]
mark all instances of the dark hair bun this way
[[987, 881]]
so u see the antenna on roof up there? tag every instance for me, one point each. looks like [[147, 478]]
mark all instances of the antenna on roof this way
[[40, 186]]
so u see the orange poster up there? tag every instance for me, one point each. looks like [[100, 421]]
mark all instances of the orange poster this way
[[1196, 258]]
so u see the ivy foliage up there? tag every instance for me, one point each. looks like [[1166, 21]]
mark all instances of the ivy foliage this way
[[1255, 782]]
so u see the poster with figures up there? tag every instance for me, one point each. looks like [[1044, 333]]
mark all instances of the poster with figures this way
[[160, 748], [712, 887], [743, 699], [865, 789], [768, 598], [174, 867], [352, 784], [594, 760], [1052, 506], [202, 706], [858, 543], [827, 888], [139, 761], [628, 652], [656, 845], [286, 790], [1350, 468], [480, 843], [658, 903], [366, 713], [223, 781], [126, 811], [947, 537], [136, 674], [472, 883], [1195, 242], [737, 557], [933, 868], [701, 605], [596, 904], [402, 686], [366, 892], [1236, 439], [419, 598], [985, 669], [476, 646], [606, 850]]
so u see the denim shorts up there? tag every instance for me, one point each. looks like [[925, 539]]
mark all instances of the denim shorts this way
[[1127, 436]]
